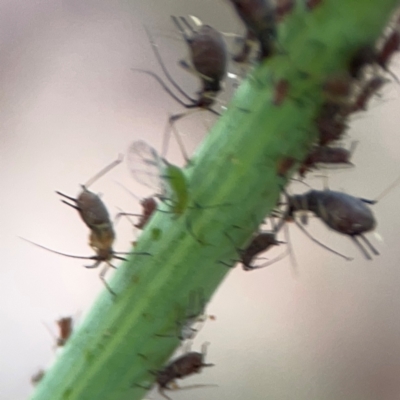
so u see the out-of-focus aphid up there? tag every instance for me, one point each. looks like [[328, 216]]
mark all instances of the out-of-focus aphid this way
[[259, 17], [179, 368], [37, 377], [168, 180]]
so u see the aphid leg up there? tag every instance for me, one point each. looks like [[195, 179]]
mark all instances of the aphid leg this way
[[193, 235], [106, 169], [358, 244], [270, 262], [321, 244], [293, 261], [166, 73], [369, 244], [103, 278], [162, 393]]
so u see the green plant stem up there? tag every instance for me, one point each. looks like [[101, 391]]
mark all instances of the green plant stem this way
[[233, 183]]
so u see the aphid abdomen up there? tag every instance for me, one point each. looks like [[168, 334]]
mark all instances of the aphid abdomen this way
[[209, 57], [91, 209], [341, 212]]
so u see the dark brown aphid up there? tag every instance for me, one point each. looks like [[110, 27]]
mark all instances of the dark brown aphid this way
[[259, 16], [280, 92], [326, 155], [188, 364], [341, 212], [365, 55], [259, 244], [37, 377], [65, 325], [338, 86], [389, 47], [149, 205], [367, 91], [209, 58], [330, 130]]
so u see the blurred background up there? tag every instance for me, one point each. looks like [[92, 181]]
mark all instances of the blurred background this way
[[69, 104]]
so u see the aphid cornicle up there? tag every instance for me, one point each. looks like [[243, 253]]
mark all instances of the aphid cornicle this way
[[341, 212], [259, 16], [188, 364]]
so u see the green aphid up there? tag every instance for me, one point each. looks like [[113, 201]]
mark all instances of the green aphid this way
[[169, 181]]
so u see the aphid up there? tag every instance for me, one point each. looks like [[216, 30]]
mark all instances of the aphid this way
[[95, 215], [367, 91], [330, 130], [66, 327], [338, 86], [259, 16], [208, 56], [280, 92], [327, 155], [37, 377], [341, 212], [364, 56], [260, 243], [148, 168], [188, 364]]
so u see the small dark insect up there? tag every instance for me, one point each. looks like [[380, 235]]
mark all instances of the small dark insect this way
[[338, 86], [389, 47], [367, 91], [280, 92], [341, 212], [37, 377], [149, 206], [364, 56], [66, 327], [209, 58], [95, 215], [326, 155], [330, 130], [260, 243], [259, 16], [188, 364]]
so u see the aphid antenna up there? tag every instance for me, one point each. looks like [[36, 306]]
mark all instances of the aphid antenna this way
[[163, 67], [190, 27], [103, 171], [58, 252]]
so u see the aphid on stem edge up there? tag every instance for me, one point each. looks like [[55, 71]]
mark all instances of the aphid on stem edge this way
[[209, 58], [188, 364], [259, 16]]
